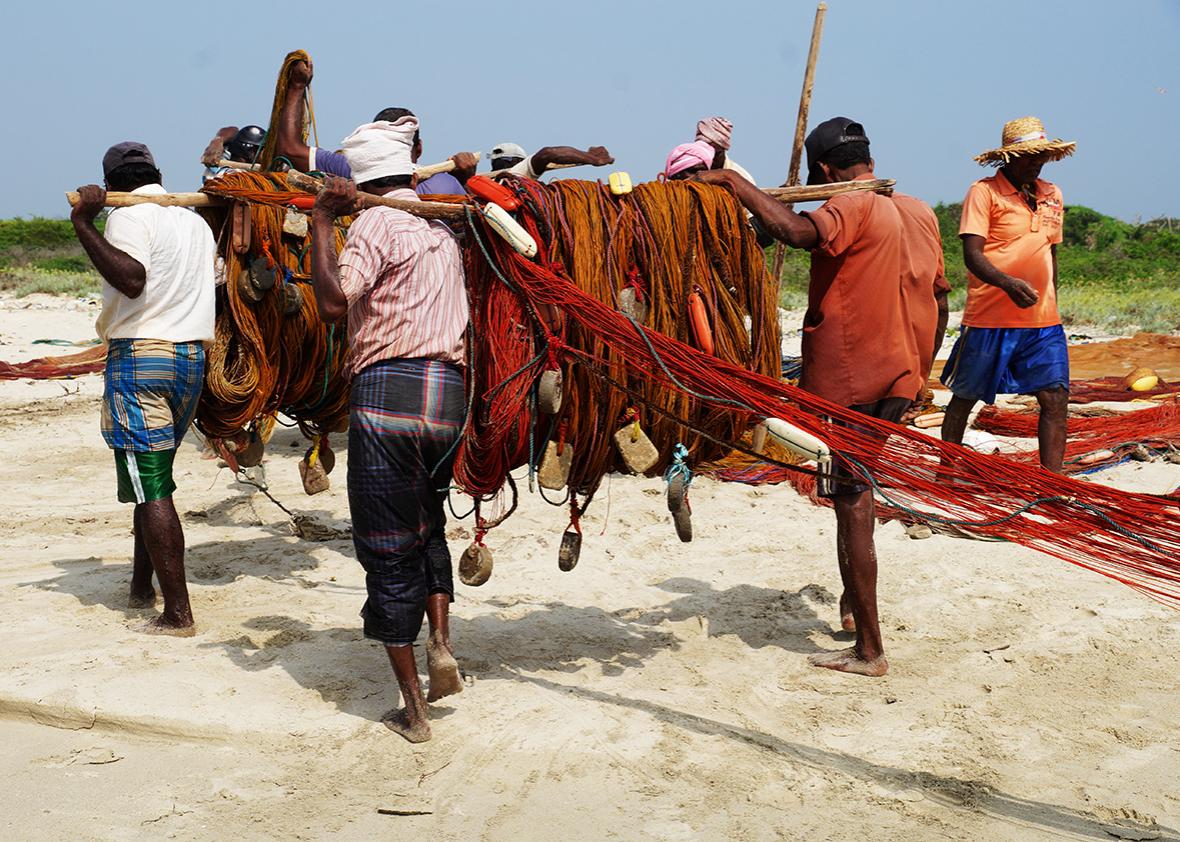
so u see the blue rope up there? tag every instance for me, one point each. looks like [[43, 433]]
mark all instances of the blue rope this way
[[679, 467]]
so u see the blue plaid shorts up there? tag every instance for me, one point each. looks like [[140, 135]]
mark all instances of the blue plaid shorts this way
[[151, 393]]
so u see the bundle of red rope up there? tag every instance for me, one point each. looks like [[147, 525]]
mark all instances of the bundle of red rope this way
[[663, 242], [1133, 538], [266, 357]]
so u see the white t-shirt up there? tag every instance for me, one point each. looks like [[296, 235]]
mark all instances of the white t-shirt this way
[[177, 251], [524, 169], [731, 164]]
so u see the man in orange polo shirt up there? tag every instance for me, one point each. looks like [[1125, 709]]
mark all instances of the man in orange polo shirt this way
[[859, 347], [1012, 340]]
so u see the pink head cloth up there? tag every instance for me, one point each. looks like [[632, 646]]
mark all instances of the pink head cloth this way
[[688, 155], [716, 131]]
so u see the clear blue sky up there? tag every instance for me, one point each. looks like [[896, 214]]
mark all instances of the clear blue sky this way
[[932, 81]]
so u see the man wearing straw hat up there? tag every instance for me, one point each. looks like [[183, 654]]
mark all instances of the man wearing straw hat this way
[[399, 282], [1012, 340]]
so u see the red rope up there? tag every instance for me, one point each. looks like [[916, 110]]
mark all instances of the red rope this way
[[1132, 538]]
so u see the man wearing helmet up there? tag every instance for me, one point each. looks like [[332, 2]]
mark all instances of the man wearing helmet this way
[[232, 144]]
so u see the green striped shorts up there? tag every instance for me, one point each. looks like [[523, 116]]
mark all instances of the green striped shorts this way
[[144, 476]]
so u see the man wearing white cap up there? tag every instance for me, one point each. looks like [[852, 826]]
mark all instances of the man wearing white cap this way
[[511, 159], [399, 282]]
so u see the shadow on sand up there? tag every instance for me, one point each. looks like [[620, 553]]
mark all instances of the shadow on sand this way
[[354, 677], [950, 792]]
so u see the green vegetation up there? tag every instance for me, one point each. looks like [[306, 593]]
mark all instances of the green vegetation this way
[[1113, 274], [43, 255]]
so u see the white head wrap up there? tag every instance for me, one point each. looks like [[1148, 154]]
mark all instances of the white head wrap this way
[[381, 149], [715, 131]]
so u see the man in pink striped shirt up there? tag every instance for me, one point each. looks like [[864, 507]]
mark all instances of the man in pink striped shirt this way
[[399, 280]]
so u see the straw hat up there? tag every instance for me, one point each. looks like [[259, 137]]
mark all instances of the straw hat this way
[[1025, 136]]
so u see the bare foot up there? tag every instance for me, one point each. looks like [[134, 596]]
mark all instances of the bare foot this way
[[443, 668], [147, 599], [399, 722], [160, 626], [847, 660], [847, 621]]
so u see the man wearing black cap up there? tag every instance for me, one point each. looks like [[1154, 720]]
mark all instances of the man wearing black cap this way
[[859, 346], [158, 277]]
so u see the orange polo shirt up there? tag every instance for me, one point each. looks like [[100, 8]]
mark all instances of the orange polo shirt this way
[[923, 274], [1016, 240], [858, 346]]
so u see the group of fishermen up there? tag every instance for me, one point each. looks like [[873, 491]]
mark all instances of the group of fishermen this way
[[876, 316]]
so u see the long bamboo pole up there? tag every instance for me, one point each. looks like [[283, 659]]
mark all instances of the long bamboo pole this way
[[171, 200], [422, 172], [817, 29], [442, 210], [426, 210], [823, 192]]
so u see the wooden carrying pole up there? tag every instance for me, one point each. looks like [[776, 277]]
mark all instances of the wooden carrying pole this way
[[823, 192], [426, 210], [801, 121], [172, 200], [422, 172], [442, 210]]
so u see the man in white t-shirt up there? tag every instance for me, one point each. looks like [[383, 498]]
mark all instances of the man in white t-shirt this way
[[158, 286], [511, 159]]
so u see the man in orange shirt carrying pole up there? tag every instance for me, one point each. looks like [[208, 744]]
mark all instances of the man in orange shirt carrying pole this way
[[859, 347], [1012, 340]]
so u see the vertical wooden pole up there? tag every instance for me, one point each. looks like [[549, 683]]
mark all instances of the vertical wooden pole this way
[[801, 121]]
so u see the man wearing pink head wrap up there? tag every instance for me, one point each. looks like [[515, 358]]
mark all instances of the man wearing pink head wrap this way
[[687, 159]]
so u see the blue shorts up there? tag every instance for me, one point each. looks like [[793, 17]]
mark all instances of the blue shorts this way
[[987, 361]]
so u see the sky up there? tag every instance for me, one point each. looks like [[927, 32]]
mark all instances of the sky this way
[[933, 83]]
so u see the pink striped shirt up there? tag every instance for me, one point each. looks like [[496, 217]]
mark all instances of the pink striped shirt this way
[[403, 278]]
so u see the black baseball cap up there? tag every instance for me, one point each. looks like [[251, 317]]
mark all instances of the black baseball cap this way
[[827, 136], [127, 152]]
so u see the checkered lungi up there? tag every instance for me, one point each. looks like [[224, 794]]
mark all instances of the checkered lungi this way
[[405, 417], [150, 396]]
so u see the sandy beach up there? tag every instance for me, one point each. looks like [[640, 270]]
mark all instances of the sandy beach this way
[[660, 691]]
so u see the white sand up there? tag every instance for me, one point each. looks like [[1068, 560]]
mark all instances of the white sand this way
[[658, 691]]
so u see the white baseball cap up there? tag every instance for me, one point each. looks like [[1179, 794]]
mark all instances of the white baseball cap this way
[[508, 150]]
